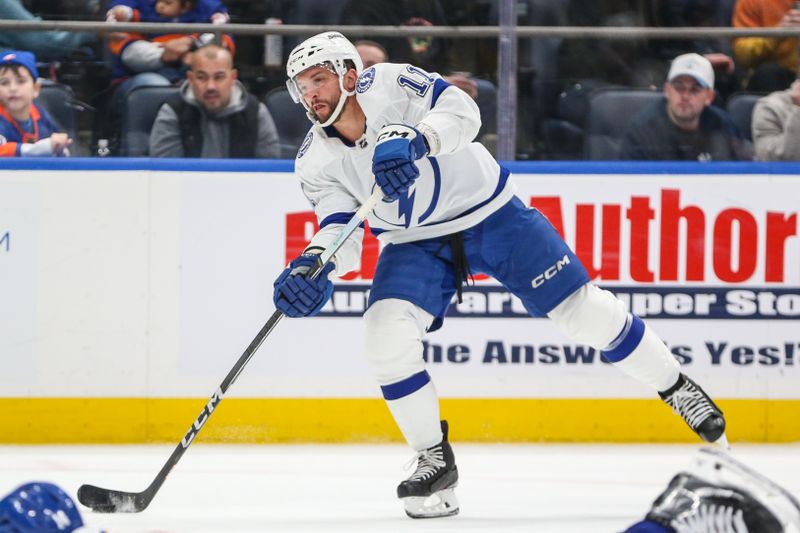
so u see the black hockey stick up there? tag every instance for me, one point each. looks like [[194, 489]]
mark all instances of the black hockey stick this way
[[115, 501]]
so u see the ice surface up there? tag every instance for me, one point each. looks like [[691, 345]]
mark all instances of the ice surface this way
[[321, 488]]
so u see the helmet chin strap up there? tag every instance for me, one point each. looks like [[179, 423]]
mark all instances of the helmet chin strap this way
[[339, 107]]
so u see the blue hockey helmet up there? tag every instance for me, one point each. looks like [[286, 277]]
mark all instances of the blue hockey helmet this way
[[39, 507]]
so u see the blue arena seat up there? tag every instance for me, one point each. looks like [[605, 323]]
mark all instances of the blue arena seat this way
[[59, 101], [562, 139], [290, 119], [138, 114], [610, 111], [740, 108]]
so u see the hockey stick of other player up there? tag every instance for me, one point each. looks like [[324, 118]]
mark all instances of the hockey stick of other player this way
[[114, 501]]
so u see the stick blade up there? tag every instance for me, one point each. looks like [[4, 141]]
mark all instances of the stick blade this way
[[111, 501]]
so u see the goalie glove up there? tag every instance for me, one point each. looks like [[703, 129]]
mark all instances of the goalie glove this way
[[398, 146]]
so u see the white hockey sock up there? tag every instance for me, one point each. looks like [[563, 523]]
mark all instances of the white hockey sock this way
[[596, 317], [417, 416], [650, 361], [393, 345]]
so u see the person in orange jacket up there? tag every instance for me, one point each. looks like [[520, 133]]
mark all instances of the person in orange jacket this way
[[159, 59], [771, 63]]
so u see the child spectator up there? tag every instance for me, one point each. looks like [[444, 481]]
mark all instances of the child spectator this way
[[187, 11], [184, 11], [25, 129], [158, 59]]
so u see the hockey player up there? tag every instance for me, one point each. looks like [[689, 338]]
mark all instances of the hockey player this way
[[449, 211], [40, 507], [719, 494]]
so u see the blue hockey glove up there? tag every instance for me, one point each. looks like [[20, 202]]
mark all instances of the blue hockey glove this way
[[39, 508], [295, 294], [397, 148]]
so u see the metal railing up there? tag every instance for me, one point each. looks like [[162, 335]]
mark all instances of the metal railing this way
[[452, 32], [507, 34]]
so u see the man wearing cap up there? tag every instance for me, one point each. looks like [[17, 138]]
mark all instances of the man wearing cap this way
[[25, 129], [684, 126]]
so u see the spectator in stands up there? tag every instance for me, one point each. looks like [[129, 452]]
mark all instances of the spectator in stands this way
[[371, 52], [684, 126], [213, 116], [776, 125], [589, 64], [47, 45], [25, 129], [187, 11], [771, 63], [158, 59]]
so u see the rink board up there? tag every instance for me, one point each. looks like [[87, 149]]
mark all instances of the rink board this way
[[130, 288]]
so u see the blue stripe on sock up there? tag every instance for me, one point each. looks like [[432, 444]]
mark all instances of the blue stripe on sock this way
[[622, 346], [410, 385], [622, 334]]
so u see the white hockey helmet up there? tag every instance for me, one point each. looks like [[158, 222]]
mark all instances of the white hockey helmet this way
[[330, 50]]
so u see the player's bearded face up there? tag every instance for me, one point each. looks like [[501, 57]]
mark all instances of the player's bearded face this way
[[319, 88], [323, 107]]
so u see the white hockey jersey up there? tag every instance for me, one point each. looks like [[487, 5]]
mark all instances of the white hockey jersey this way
[[459, 185]]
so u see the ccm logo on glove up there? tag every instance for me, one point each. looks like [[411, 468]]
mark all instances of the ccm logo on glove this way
[[398, 146], [386, 133]]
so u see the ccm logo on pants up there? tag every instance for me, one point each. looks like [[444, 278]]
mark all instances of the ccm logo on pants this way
[[550, 272]]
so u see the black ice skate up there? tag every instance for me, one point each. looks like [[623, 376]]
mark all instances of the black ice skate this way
[[428, 493], [689, 401], [721, 494]]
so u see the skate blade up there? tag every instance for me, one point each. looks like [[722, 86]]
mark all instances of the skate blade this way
[[722, 442], [719, 467], [437, 505]]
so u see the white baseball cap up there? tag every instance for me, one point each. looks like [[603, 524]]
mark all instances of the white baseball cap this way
[[693, 65]]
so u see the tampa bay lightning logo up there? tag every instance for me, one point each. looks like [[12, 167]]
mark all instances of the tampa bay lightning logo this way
[[365, 80], [306, 144], [400, 214]]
